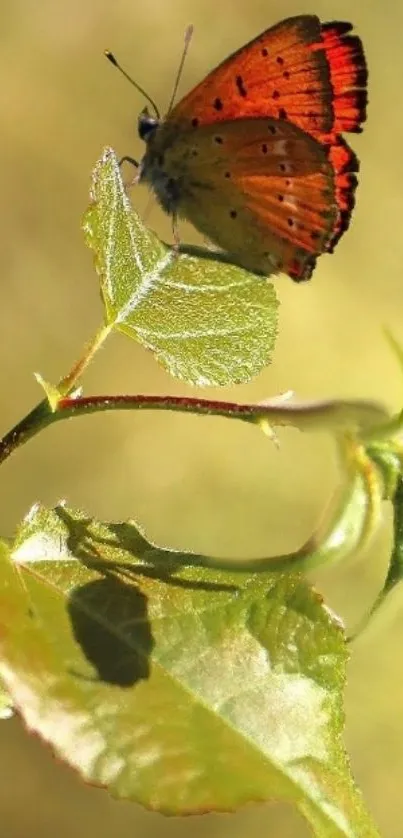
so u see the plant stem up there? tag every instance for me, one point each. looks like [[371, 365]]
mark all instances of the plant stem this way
[[29, 426], [67, 384], [43, 414], [328, 414]]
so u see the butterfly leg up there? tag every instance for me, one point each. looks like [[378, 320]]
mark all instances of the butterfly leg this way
[[135, 164], [176, 236], [127, 159]]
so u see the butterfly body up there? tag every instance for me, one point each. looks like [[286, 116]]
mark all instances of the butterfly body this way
[[254, 157], [167, 177]]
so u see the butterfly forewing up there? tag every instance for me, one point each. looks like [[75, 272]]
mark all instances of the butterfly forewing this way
[[300, 70]]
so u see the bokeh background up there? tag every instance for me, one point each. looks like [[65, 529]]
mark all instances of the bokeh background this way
[[201, 484]]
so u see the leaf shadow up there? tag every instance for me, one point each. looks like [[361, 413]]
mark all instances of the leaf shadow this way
[[220, 256], [152, 562], [109, 618]]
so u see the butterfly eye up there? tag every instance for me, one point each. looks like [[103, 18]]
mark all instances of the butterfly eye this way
[[147, 125]]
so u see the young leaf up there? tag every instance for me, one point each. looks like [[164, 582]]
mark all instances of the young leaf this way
[[185, 689], [207, 321]]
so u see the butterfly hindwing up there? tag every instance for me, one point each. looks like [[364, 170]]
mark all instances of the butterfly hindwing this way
[[262, 189]]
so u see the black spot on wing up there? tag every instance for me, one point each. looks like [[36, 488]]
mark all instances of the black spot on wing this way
[[241, 87]]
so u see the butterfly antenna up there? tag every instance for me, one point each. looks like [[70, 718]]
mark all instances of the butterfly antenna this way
[[187, 40], [110, 56]]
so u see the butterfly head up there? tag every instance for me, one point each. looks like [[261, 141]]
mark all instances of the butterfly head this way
[[147, 125]]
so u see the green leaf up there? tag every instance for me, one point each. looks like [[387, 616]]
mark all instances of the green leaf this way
[[6, 705], [207, 321], [185, 689]]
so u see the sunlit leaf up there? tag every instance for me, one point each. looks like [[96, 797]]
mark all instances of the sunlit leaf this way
[[6, 705], [206, 321], [183, 688]]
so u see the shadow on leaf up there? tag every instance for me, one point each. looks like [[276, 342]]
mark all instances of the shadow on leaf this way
[[144, 559], [110, 623], [211, 255]]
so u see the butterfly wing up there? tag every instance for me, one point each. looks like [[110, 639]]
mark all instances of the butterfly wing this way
[[262, 189], [310, 74]]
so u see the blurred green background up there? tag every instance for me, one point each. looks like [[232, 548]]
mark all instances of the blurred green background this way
[[201, 484]]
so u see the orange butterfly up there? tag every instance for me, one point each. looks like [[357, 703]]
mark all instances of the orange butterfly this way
[[253, 156]]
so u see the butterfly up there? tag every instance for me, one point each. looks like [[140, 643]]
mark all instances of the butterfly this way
[[254, 155]]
